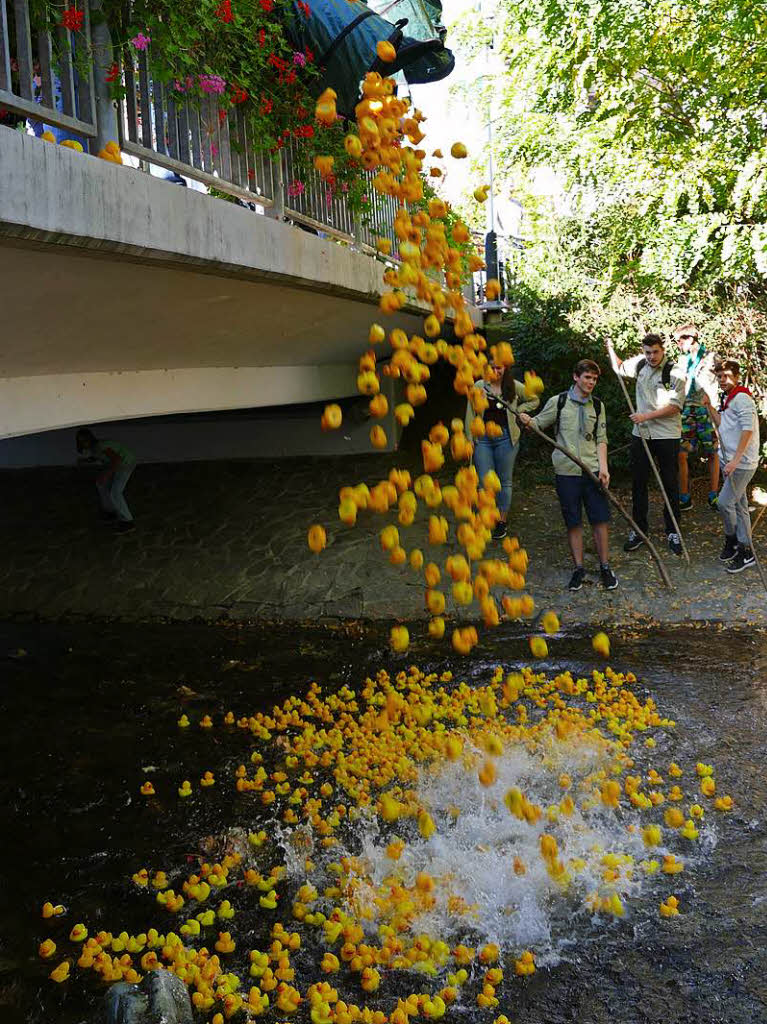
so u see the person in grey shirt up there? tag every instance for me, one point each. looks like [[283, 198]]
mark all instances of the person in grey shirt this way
[[738, 425], [660, 393]]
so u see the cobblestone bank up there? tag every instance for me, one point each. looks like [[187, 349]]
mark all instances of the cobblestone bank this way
[[229, 538]]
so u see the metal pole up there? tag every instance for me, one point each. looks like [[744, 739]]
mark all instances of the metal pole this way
[[655, 469]]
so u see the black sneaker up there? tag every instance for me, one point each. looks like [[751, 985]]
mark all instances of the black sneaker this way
[[674, 543], [730, 549], [577, 578], [685, 504], [107, 516], [499, 531], [608, 577], [742, 560], [633, 541], [125, 526]]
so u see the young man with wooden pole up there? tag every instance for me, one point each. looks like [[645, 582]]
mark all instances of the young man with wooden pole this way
[[660, 394], [581, 427]]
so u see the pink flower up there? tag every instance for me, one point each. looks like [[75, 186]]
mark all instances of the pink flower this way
[[296, 188], [141, 42], [211, 83], [299, 59]]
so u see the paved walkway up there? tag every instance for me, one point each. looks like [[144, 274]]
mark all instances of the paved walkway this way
[[230, 538]]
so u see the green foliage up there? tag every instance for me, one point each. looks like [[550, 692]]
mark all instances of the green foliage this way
[[652, 116]]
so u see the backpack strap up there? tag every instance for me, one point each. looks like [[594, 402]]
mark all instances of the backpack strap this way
[[665, 373], [598, 410], [561, 399]]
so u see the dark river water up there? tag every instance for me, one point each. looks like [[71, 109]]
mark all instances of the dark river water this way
[[87, 707]]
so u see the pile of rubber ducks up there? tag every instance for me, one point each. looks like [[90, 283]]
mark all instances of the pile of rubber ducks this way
[[353, 755]]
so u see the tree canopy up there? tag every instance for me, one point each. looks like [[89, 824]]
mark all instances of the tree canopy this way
[[653, 113]]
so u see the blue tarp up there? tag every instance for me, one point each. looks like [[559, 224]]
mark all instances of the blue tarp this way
[[343, 36]]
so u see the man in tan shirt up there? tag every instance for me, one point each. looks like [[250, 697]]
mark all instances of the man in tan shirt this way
[[660, 393]]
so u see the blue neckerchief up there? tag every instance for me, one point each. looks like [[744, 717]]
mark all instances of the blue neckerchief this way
[[582, 403], [691, 366]]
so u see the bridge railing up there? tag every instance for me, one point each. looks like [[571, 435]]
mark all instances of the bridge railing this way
[[32, 85], [159, 125]]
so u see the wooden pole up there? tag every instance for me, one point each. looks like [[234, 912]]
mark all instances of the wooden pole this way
[[610, 497], [655, 469]]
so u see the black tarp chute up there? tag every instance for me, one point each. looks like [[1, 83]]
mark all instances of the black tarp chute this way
[[343, 36]]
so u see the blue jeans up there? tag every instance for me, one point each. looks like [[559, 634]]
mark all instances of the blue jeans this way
[[112, 496], [498, 454]]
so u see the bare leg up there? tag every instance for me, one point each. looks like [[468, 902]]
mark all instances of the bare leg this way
[[684, 474], [575, 540], [713, 472], [601, 533]]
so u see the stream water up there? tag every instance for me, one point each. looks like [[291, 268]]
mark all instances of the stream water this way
[[89, 713]]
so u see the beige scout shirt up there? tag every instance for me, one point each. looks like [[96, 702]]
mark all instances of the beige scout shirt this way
[[520, 403], [651, 395], [581, 442]]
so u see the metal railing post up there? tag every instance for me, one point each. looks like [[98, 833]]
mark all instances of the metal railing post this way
[[277, 209], [105, 106]]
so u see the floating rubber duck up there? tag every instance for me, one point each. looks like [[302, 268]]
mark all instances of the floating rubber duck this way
[[525, 964], [60, 973], [458, 151], [79, 933], [185, 789], [385, 51], [269, 902], [46, 949], [316, 538], [49, 910], [147, 789], [208, 779], [183, 722], [669, 907]]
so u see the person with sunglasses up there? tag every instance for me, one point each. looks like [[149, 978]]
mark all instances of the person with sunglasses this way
[[698, 433]]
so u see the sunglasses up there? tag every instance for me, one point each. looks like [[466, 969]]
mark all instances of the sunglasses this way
[[688, 337]]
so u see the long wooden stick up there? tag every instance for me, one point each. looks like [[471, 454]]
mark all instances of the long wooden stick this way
[[609, 495], [655, 469]]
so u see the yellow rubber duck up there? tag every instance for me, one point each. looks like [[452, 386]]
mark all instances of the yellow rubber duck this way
[[316, 538], [183, 722], [79, 933], [269, 902], [147, 789], [670, 907], [46, 949], [207, 779], [525, 964], [458, 151], [60, 973], [185, 789], [49, 910], [601, 644]]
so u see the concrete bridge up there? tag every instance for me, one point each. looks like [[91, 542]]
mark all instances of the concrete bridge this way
[[126, 296]]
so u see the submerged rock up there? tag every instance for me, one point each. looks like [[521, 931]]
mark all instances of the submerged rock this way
[[161, 998]]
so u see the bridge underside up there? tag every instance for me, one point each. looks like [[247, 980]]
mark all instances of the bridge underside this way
[[127, 296]]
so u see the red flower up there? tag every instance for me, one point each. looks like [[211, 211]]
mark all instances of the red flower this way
[[261, 36], [113, 73], [266, 106], [304, 8], [224, 11], [309, 54], [221, 115], [277, 62], [290, 77], [267, 6], [239, 95], [72, 19]]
